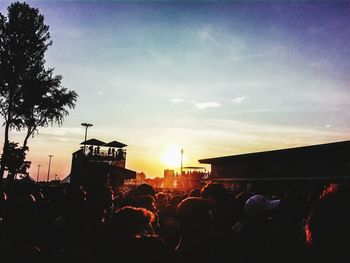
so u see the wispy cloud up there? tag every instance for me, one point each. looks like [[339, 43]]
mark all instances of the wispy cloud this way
[[61, 131], [100, 93], [241, 57], [162, 60], [68, 32], [177, 100], [204, 105], [238, 99], [204, 35]]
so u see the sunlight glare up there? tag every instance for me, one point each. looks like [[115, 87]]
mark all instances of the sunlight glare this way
[[171, 158]]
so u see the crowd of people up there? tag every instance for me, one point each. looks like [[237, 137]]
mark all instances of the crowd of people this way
[[112, 152], [70, 223]]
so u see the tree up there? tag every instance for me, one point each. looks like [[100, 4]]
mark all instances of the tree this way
[[16, 160], [30, 95], [44, 103]]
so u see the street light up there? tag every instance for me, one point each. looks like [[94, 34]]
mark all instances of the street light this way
[[182, 153], [48, 172], [86, 125], [37, 176]]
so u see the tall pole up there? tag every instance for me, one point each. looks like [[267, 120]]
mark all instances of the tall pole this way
[[86, 125], [182, 154], [37, 176], [48, 172]]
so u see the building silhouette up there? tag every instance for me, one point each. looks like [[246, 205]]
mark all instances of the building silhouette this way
[[329, 161], [100, 163], [169, 178]]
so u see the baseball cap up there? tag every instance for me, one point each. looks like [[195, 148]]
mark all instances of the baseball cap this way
[[257, 203]]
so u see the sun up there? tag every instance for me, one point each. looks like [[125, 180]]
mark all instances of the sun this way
[[171, 158]]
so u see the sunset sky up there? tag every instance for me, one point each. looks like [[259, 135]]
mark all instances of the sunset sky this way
[[213, 78]]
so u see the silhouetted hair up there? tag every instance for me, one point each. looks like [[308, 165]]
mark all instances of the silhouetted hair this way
[[176, 199], [215, 191], [161, 195], [130, 221], [193, 214], [195, 193], [144, 201], [144, 189], [74, 199], [328, 225]]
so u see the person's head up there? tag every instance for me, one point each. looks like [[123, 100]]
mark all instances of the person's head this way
[[145, 201], [328, 228], [162, 200], [175, 200], [99, 201], [258, 204], [131, 221], [20, 208], [74, 200], [220, 203], [193, 215], [216, 194], [240, 200], [144, 189], [195, 193]]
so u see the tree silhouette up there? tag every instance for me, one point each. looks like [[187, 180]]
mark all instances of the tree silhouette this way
[[16, 161], [30, 95], [44, 102]]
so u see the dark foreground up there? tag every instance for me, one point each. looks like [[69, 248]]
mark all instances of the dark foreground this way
[[67, 223]]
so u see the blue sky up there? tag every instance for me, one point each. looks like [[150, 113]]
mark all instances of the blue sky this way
[[216, 78]]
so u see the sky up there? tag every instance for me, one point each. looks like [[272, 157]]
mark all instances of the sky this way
[[213, 78]]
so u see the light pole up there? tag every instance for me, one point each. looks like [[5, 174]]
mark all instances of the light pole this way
[[37, 176], [182, 153], [48, 172], [86, 125]]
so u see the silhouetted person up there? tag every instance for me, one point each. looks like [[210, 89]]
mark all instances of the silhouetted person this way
[[18, 242], [113, 152], [220, 206], [256, 231], [145, 201], [328, 228], [168, 228], [144, 189], [131, 221], [162, 201], [91, 150], [124, 227], [69, 227], [151, 249], [120, 153], [195, 193], [194, 225], [198, 243]]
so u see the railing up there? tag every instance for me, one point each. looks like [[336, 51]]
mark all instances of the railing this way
[[106, 155]]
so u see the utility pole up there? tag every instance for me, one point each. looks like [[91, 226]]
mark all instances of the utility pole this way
[[86, 125], [48, 172], [37, 176]]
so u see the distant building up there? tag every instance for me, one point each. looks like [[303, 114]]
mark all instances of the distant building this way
[[317, 162], [99, 162], [155, 182], [140, 178], [192, 177], [169, 177]]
